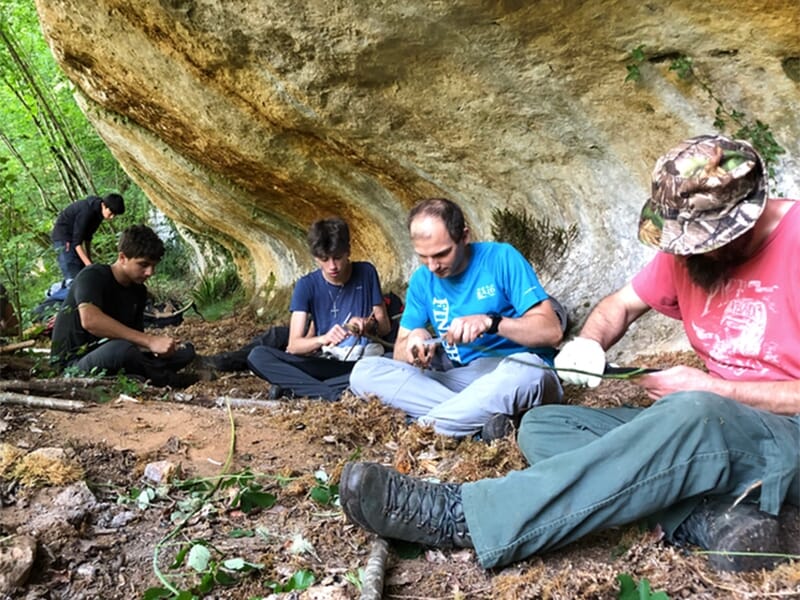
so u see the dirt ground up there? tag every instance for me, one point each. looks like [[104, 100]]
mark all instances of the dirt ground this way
[[256, 483]]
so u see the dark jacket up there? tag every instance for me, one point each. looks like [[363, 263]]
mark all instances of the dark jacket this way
[[78, 221]]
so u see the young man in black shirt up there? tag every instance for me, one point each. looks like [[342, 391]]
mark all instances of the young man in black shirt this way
[[100, 324], [75, 226]]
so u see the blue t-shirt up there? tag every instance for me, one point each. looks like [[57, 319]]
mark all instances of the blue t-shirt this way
[[497, 279], [328, 304]]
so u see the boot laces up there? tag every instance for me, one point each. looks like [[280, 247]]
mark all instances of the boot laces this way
[[435, 508]]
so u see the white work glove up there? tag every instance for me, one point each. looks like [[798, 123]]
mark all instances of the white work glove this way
[[583, 354]]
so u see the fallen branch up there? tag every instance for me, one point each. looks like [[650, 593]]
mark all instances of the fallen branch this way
[[372, 585], [247, 402], [18, 346], [95, 390], [41, 402], [162, 314]]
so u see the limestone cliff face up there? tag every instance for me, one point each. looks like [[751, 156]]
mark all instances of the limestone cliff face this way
[[245, 120]]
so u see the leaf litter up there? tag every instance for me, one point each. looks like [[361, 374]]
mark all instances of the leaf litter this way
[[285, 446]]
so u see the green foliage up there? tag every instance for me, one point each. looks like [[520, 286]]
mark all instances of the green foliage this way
[[355, 578], [50, 156], [218, 293], [755, 131], [683, 67], [299, 580], [124, 385], [324, 492], [636, 57], [174, 278], [544, 245], [628, 590], [211, 571]]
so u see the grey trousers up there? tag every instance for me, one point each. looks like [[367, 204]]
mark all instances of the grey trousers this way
[[592, 469], [459, 400]]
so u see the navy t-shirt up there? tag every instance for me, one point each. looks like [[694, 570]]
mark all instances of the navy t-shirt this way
[[328, 304]]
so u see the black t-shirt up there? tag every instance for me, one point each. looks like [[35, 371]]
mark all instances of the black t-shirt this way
[[78, 221], [96, 285]]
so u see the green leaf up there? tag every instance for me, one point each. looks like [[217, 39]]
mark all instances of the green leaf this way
[[224, 578], [634, 74], [199, 557], [321, 495], [234, 564], [637, 54], [627, 588], [206, 582], [630, 591], [301, 580], [241, 533], [155, 593], [250, 500], [145, 497], [180, 556]]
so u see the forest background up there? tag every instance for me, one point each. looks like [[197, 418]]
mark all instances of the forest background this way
[[51, 156]]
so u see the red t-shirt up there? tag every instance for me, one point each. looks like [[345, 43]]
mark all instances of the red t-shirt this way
[[750, 328]]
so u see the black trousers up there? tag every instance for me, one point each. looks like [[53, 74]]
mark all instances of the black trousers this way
[[306, 376], [115, 356]]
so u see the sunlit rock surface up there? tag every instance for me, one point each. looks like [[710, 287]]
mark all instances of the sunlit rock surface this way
[[245, 120]]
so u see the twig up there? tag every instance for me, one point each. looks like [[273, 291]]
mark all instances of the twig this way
[[160, 315], [41, 402], [16, 346], [246, 402], [744, 494], [182, 523], [372, 586], [721, 586]]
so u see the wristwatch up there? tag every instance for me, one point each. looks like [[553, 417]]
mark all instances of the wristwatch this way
[[496, 318]]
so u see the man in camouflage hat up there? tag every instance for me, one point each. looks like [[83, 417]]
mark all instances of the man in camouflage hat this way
[[717, 456]]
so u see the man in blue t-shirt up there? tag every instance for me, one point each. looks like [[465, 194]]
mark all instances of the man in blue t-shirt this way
[[490, 316], [330, 308]]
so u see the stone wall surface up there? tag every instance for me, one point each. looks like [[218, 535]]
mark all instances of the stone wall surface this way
[[245, 120]]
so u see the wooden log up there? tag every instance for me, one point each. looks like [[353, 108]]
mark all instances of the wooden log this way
[[372, 585], [247, 402], [17, 346], [41, 402]]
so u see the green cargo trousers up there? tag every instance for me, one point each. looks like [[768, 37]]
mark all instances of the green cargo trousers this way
[[592, 469]]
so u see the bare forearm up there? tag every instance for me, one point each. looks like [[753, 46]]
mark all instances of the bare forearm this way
[[305, 345], [612, 316], [401, 350], [101, 325], [83, 253], [532, 330]]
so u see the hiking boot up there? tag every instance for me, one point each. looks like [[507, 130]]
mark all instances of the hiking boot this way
[[396, 506], [277, 392], [202, 366], [733, 536], [178, 381], [497, 427], [235, 360]]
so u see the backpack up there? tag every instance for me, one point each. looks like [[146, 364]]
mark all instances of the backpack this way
[[394, 306]]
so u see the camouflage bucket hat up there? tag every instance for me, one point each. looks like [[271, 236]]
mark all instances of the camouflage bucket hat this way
[[706, 192]]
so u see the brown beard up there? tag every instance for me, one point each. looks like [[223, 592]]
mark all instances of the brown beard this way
[[707, 272], [712, 272]]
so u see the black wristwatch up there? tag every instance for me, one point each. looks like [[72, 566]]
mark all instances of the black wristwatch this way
[[496, 318]]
